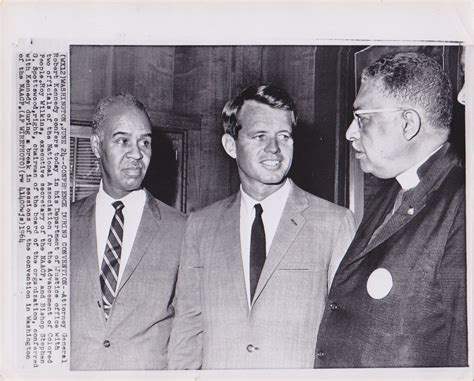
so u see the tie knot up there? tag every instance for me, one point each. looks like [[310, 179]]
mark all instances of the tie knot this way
[[118, 205], [258, 209]]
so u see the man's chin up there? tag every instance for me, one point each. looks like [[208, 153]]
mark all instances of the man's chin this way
[[375, 173], [364, 167], [133, 184], [276, 180]]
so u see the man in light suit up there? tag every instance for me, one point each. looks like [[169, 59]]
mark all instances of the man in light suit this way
[[124, 251], [256, 267], [398, 298]]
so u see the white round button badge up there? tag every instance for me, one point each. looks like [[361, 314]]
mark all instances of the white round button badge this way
[[380, 283]]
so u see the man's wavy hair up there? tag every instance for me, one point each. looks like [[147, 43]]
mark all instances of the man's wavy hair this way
[[104, 106], [270, 95], [415, 79]]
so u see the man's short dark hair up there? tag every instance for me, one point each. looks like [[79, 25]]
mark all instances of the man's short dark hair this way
[[104, 106], [418, 80], [270, 95]]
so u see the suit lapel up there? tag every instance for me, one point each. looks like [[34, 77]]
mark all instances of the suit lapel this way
[[148, 228], [432, 173], [291, 222], [381, 205], [229, 236], [398, 220], [88, 240]]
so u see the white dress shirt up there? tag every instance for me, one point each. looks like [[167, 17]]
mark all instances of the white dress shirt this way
[[272, 207], [134, 203], [409, 179]]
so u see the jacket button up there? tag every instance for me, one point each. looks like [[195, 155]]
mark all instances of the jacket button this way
[[320, 355], [251, 348], [333, 306], [106, 343]]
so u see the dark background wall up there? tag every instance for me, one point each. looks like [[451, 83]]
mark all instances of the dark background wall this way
[[196, 82], [186, 87]]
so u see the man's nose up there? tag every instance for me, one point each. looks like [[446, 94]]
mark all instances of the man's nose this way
[[352, 132], [135, 151], [273, 145]]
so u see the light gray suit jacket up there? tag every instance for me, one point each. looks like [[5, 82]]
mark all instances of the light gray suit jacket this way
[[137, 332], [214, 328]]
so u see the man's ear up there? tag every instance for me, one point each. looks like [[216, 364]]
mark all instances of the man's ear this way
[[228, 143], [95, 145], [412, 124]]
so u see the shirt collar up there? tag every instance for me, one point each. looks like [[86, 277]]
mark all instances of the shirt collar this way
[[410, 178], [276, 198], [131, 199]]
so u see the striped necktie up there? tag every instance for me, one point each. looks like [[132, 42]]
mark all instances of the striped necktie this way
[[109, 270]]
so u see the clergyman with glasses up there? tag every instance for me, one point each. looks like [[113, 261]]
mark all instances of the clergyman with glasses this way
[[398, 298]]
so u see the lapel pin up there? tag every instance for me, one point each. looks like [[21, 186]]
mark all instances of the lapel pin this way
[[292, 220], [411, 211]]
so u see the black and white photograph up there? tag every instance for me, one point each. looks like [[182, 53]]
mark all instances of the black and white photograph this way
[[280, 127], [259, 207]]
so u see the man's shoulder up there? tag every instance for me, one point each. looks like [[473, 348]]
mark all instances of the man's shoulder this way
[[79, 205], [167, 212], [445, 178], [319, 204], [456, 177], [217, 208], [450, 192]]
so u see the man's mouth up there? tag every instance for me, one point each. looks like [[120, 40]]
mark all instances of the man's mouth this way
[[133, 170], [358, 154], [271, 163]]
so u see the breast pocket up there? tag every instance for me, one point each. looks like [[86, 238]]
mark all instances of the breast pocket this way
[[300, 266], [299, 279]]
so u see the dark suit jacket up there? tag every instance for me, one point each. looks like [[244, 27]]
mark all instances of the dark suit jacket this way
[[139, 323], [422, 320], [214, 327]]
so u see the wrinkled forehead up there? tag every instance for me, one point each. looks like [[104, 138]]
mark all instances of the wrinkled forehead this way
[[125, 117]]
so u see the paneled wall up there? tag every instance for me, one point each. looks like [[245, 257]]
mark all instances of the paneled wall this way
[[195, 82]]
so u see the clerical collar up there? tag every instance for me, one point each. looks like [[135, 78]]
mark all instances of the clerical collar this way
[[410, 178]]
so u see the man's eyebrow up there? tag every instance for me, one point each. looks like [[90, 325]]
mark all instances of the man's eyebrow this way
[[120, 133], [147, 135]]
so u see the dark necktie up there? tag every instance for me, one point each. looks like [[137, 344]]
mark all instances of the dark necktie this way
[[257, 249], [109, 270]]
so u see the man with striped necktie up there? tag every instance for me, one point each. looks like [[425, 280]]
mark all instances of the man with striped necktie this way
[[124, 251]]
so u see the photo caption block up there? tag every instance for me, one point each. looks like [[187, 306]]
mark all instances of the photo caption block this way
[[43, 208]]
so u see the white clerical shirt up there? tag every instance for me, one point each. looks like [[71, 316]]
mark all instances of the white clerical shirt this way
[[134, 203], [272, 207], [409, 179]]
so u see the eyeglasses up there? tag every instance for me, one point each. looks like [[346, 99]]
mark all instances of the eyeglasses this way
[[358, 113]]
